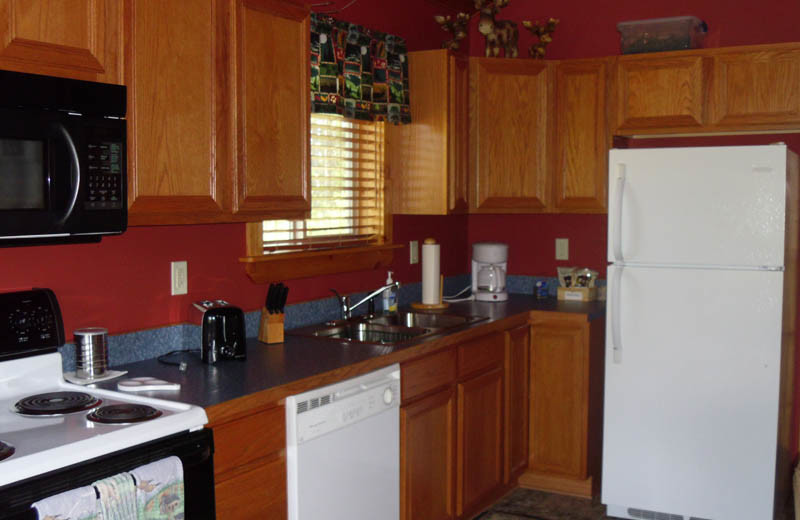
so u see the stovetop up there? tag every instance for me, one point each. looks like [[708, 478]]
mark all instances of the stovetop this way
[[47, 442]]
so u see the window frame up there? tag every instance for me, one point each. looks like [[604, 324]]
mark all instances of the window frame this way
[[273, 267]]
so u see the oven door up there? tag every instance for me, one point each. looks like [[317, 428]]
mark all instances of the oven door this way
[[195, 449]]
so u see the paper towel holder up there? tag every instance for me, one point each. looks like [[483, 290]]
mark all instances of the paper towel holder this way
[[431, 274]]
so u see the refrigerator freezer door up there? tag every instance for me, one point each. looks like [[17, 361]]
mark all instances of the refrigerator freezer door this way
[[691, 400], [698, 206]]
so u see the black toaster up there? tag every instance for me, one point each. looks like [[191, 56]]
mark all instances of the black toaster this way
[[223, 335]]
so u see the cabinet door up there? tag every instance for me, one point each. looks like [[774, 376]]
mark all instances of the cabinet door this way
[[664, 94], [480, 440], [516, 402], [757, 89], [79, 39], [458, 135], [176, 113], [427, 159], [509, 105], [272, 109], [427, 456], [257, 493], [581, 156], [559, 397]]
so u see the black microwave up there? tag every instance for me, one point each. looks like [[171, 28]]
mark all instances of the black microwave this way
[[62, 160]]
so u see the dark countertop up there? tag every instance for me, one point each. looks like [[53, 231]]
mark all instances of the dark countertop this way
[[298, 358]]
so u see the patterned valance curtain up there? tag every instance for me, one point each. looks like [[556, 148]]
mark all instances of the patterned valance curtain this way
[[357, 72]]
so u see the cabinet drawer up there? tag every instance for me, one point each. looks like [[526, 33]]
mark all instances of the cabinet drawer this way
[[423, 375], [247, 439], [481, 353], [259, 493]]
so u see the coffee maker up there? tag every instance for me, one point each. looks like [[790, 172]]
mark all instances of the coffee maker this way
[[489, 264]]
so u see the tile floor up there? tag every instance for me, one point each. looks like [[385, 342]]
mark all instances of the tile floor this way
[[527, 504]]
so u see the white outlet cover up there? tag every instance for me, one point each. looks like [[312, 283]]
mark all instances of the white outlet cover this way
[[413, 252], [179, 283], [562, 249]]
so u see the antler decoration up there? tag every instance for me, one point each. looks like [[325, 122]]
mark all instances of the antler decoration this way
[[543, 32], [457, 26], [499, 33]]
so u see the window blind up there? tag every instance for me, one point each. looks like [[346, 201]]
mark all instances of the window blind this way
[[347, 190]]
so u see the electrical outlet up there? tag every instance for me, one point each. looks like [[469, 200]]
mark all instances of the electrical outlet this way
[[562, 249], [413, 252], [179, 278]]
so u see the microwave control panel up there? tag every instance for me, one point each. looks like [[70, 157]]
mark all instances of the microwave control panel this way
[[105, 185]]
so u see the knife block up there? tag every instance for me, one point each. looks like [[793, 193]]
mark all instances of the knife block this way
[[271, 328]]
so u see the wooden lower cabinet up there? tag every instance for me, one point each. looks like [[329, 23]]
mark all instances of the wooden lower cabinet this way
[[258, 493], [480, 441], [427, 455], [250, 463], [517, 343], [566, 404]]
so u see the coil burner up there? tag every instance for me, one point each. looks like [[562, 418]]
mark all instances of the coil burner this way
[[123, 413], [56, 403]]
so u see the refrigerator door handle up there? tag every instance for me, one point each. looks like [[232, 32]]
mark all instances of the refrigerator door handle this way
[[616, 325], [617, 231]]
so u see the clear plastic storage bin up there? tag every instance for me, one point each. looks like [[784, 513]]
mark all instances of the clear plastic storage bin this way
[[662, 34]]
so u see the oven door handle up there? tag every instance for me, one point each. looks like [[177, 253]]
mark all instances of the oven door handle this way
[[75, 171]]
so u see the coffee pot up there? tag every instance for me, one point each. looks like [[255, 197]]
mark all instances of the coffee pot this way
[[489, 264]]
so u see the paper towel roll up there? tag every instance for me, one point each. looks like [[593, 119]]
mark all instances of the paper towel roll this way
[[430, 272]]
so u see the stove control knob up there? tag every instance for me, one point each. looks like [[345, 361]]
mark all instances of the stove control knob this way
[[20, 321]]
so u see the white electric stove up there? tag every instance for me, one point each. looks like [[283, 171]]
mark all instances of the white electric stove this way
[[49, 426], [51, 440]]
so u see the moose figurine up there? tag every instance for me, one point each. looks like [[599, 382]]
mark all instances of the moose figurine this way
[[457, 26], [543, 32], [499, 33]]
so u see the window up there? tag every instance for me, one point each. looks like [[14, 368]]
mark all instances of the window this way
[[347, 190]]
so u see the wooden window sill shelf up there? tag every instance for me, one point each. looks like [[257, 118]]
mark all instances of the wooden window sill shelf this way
[[288, 266]]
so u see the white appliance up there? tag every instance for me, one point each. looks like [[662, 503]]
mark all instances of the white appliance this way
[[489, 266], [343, 449], [54, 433], [697, 239]]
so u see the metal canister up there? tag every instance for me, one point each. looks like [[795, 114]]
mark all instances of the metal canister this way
[[91, 352]]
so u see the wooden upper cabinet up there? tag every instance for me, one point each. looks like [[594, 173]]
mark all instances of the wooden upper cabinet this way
[[660, 94], [427, 159], [272, 109], [177, 113], [79, 39], [509, 135], [758, 89], [581, 134]]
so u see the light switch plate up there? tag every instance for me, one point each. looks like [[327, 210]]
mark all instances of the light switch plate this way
[[179, 283], [413, 252], [562, 249]]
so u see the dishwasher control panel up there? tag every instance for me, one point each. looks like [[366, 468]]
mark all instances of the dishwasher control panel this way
[[324, 410]]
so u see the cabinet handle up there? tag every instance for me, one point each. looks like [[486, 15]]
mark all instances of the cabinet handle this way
[[616, 319], [617, 231]]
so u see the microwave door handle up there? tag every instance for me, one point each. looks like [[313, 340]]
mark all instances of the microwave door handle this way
[[75, 170]]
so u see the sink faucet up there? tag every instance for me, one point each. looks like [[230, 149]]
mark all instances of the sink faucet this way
[[344, 301]]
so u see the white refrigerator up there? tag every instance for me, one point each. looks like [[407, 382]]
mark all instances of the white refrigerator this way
[[700, 242]]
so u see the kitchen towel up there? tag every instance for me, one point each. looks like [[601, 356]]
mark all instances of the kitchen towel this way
[[159, 489], [117, 497], [430, 272], [75, 504]]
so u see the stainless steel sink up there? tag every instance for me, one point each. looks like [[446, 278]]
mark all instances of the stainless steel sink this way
[[425, 319], [389, 329], [365, 332]]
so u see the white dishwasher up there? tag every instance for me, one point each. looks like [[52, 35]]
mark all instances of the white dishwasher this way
[[343, 449]]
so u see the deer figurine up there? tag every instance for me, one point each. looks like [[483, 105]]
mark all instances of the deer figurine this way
[[498, 33], [543, 32], [457, 26]]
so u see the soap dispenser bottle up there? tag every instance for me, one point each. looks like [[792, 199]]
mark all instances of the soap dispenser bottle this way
[[390, 295]]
